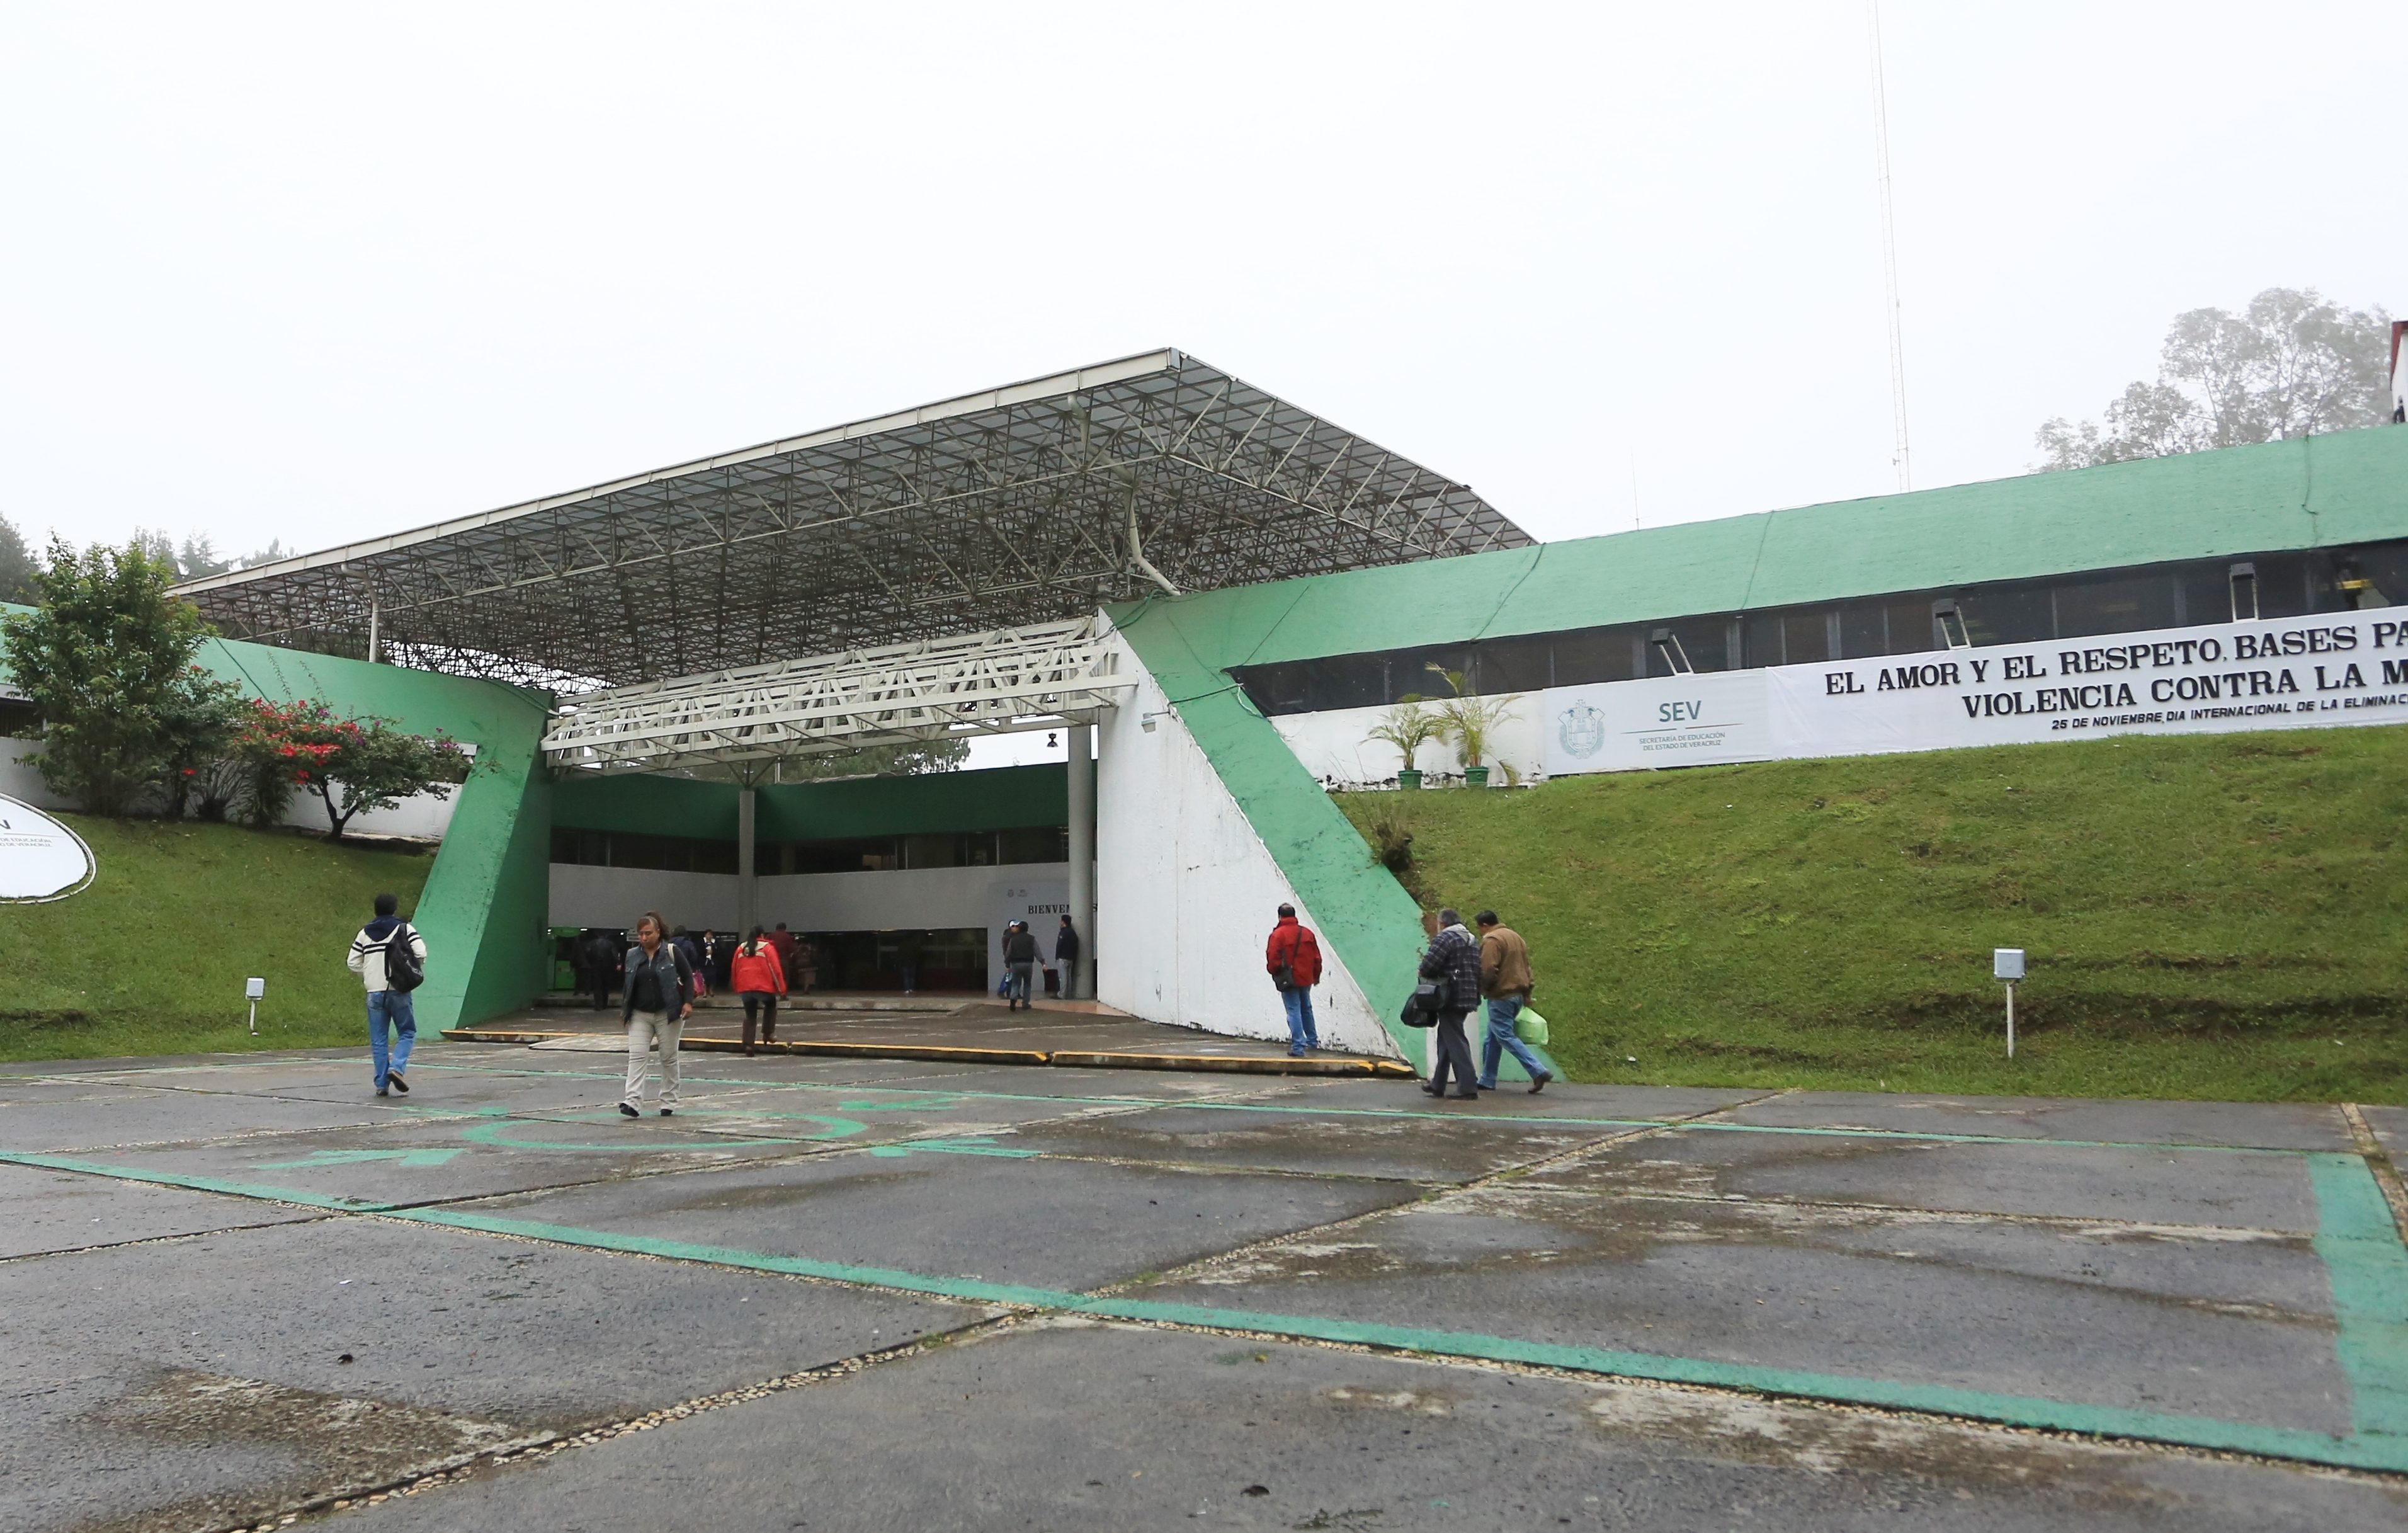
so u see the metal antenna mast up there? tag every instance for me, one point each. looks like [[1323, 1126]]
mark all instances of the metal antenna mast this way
[[1889, 256]]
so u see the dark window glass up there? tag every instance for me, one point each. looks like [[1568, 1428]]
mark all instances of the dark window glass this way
[[1910, 627], [1514, 664], [2114, 606], [1034, 844], [2008, 614], [2285, 586], [1764, 641], [1279, 689], [2384, 567], [1705, 640], [1864, 630], [1806, 636], [1589, 655], [22, 721], [1353, 681], [938, 851], [874, 853], [2202, 592]]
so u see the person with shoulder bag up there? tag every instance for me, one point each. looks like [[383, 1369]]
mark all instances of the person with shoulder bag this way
[[659, 998], [1293, 959], [1453, 962], [390, 959]]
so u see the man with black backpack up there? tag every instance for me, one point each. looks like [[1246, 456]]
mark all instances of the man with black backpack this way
[[390, 959]]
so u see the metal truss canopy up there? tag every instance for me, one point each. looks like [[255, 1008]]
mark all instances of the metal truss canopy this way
[[1024, 503], [1015, 679]]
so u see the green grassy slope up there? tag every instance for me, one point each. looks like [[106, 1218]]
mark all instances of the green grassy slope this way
[[2207, 916], [151, 957]]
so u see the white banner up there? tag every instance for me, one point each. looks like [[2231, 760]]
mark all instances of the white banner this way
[[39, 858], [2349, 668]]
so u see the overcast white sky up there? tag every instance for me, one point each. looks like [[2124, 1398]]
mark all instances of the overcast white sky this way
[[314, 273]]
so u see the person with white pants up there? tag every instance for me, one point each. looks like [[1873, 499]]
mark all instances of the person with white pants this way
[[659, 998]]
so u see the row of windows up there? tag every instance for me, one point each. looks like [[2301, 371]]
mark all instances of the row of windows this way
[[873, 854], [2175, 595]]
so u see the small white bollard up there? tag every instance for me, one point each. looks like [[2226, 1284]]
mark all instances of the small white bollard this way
[[2007, 963], [252, 989]]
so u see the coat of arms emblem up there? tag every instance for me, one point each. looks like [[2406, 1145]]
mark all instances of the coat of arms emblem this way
[[1582, 731]]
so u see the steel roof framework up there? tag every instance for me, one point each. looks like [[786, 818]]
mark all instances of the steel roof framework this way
[[740, 722], [1033, 502]]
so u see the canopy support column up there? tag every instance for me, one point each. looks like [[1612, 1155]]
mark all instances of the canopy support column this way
[[1080, 983], [746, 888]]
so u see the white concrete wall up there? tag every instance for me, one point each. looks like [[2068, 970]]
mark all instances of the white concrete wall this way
[[1186, 893], [425, 817], [910, 899], [1334, 745]]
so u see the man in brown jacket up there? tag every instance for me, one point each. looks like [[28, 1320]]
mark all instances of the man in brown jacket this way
[[1505, 982]]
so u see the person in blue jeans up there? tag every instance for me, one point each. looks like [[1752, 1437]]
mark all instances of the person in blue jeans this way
[[1293, 958], [388, 1008], [1505, 986]]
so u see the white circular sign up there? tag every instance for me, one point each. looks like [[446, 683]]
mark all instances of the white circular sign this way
[[39, 858]]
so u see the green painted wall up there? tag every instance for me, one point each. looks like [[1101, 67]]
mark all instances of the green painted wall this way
[[1001, 798], [2315, 492]]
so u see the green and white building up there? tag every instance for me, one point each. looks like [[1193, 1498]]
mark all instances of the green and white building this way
[[1217, 594]]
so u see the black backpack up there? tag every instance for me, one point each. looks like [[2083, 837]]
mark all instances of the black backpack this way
[[403, 969]]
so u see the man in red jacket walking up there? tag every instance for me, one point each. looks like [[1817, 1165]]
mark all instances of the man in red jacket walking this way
[[1293, 957]]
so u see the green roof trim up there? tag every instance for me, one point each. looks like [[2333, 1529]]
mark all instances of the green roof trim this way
[[2315, 491], [996, 798]]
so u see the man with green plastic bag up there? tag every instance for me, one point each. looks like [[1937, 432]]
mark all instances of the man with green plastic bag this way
[[1505, 983]]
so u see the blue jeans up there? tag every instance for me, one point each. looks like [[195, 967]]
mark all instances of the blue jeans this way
[[1022, 977], [391, 1006], [1503, 1012], [1301, 1033]]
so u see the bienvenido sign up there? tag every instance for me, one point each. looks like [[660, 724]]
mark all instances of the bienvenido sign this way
[[39, 858], [2339, 668]]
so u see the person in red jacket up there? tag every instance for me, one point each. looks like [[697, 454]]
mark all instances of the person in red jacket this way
[[759, 978], [1293, 958]]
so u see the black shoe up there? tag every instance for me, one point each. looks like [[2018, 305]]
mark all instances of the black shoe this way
[[668, 1113], [1539, 1081], [1465, 1097], [393, 1079], [381, 1092], [629, 1111]]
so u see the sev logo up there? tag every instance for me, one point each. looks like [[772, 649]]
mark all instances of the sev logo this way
[[1581, 730]]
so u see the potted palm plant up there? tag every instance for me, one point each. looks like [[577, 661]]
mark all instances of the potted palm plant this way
[[1408, 726], [1469, 722]]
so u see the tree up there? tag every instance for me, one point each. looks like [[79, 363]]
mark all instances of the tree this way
[[16, 565], [108, 659], [877, 761], [2289, 365], [351, 765]]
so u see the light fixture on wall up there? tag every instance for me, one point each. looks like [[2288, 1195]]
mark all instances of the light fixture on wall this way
[[1145, 721]]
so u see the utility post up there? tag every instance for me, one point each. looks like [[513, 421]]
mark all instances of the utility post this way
[[1080, 983]]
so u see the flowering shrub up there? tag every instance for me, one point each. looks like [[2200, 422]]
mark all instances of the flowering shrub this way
[[350, 765]]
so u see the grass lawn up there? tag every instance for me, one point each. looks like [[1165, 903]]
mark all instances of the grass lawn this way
[[2207, 916], [151, 957]]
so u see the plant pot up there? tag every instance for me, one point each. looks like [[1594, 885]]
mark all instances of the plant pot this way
[[1475, 776], [1408, 778]]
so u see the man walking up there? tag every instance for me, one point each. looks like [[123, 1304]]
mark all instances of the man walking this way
[[1453, 959], [1020, 957], [387, 1002], [601, 958], [1505, 983], [1293, 959], [659, 998]]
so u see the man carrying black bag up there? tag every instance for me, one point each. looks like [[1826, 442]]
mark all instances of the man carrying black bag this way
[[1453, 962]]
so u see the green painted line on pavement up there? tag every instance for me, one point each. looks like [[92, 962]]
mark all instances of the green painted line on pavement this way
[[2362, 1451], [197, 1183], [1934, 1136], [2376, 1284], [2369, 1269]]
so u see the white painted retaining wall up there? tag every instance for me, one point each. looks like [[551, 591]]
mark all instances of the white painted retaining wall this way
[[425, 817], [1334, 746], [1186, 893]]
